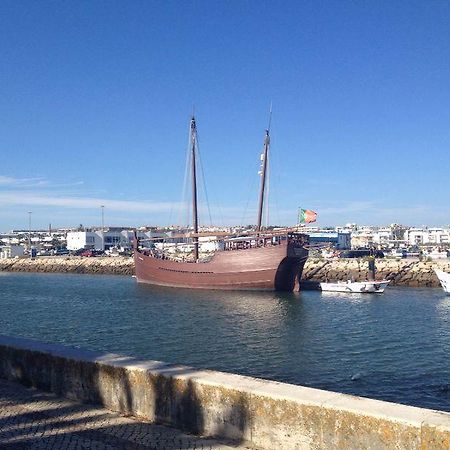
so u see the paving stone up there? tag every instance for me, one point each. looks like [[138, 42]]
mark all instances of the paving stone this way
[[30, 419]]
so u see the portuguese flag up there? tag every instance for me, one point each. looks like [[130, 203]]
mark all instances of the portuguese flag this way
[[306, 216]]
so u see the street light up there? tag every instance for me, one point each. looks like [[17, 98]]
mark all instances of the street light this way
[[103, 226], [103, 217], [29, 232]]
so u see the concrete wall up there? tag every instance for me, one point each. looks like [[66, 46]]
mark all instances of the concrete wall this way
[[263, 414]]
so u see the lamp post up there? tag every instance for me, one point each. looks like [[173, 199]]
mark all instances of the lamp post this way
[[29, 233], [103, 226]]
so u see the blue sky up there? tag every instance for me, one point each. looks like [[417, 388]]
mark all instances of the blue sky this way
[[96, 98]]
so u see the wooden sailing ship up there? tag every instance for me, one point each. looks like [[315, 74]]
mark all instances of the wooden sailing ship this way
[[260, 261]]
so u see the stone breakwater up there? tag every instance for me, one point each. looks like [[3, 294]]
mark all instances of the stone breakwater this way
[[401, 272], [70, 264]]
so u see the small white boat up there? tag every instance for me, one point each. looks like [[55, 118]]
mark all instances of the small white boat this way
[[355, 286], [444, 279], [437, 254], [399, 253]]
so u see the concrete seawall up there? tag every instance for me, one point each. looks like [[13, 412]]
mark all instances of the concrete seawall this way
[[262, 414], [401, 272]]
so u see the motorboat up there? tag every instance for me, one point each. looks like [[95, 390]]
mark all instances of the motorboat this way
[[399, 253], [444, 279], [356, 286], [437, 254]]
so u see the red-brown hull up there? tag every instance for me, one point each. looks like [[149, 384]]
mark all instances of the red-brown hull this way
[[262, 268]]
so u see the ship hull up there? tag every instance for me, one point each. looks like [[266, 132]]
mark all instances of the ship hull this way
[[264, 268]]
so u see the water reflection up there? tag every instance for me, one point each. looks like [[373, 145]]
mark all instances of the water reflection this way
[[443, 308], [343, 296], [392, 346], [266, 307]]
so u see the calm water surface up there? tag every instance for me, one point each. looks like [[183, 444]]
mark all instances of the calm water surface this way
[[394, 346]]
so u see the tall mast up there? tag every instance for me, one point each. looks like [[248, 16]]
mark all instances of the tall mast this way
[[263, 179], [194, 186]]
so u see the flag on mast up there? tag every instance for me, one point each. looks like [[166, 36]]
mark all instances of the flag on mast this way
[[306, 216]]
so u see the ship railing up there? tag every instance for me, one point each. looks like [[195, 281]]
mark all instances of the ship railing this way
[[224, 244], [256, 241]]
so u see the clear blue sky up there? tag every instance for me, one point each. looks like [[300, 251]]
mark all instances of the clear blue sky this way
[[95, 99]]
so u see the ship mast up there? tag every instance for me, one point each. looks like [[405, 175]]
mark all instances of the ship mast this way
[[263, 173], [194, 186]]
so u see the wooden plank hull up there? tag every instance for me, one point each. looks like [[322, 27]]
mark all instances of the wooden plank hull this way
[[262, 268]]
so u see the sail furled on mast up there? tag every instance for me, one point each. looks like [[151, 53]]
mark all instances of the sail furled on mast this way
[[193, 136], [263, 173]]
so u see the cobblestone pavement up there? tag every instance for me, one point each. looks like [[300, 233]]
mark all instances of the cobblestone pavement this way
[[30, 419]]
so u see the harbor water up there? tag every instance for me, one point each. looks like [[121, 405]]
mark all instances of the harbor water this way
[[393, 347]]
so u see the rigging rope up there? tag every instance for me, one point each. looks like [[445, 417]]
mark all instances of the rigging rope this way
[[203, 180], [184, 191], [251, 182], [275, 185]]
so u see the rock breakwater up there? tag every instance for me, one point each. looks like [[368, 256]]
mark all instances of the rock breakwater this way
[[401, 272], [70, 264]]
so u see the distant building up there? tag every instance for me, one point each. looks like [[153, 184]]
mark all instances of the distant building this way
[[341, 241], [427, 236], [112, 237], [98, 239], [11, 251]]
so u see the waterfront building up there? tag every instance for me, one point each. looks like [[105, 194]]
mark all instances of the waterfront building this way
[[99, 239], [362, 238], [341, 241], [40, 239], [428, 236], [391, 236], [11, 251]]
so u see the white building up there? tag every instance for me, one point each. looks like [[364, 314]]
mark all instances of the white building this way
[[341, 241], [11, 251], [362, 238], [428, 236], [98, 239], [380, 237]]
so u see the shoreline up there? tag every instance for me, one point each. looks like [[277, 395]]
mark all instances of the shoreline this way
[[401, 272]]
